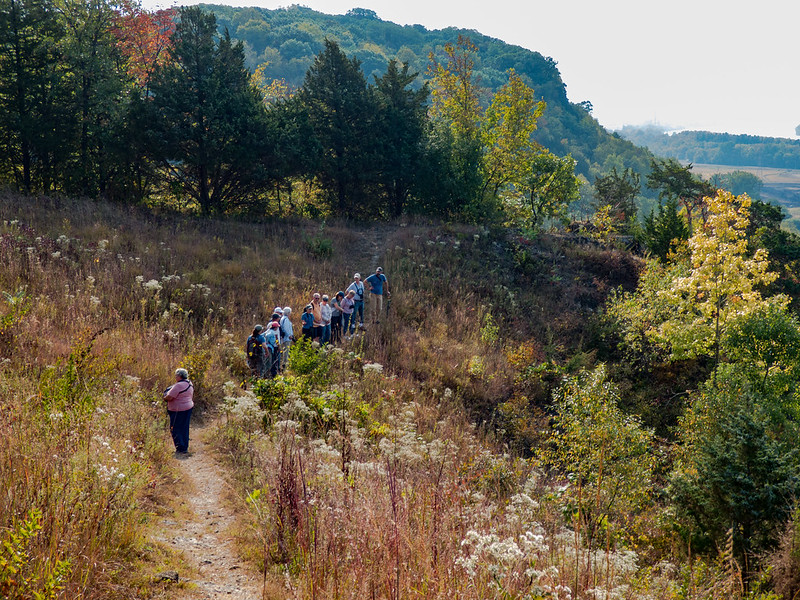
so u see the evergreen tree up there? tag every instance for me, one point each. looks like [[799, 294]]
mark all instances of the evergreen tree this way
[[733, 478], [208, 120], [289, 130], [97, 94], [32, 91], [676, 181], [401, 131], [666, 229], [342, 113]]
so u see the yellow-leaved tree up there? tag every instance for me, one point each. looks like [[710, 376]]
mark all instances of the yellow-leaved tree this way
[[722, 284], [506, 132]]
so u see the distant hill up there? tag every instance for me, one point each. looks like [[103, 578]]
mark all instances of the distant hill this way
[[288, 39], [717, 148]]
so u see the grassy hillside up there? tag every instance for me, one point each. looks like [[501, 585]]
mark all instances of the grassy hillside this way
[[431, 456], [103, 302]]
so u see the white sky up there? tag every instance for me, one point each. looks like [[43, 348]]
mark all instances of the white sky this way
[[716, 65]]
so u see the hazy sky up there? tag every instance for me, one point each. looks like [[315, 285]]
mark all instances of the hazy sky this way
[[717, 65]]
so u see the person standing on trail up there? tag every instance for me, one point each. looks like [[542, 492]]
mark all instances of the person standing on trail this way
[[179, 408], [358, 290], [378, 288], [308, 322], [327, 314], [336, 318], [348, 315], [255, 350], [274, 345], [287, 335], [316, 310]]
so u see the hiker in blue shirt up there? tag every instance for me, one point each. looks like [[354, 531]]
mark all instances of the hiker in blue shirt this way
[[308, 322], [378, 288], [274, 346], [287, 336]]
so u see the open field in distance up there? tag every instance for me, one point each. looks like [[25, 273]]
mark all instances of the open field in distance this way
[[780, 185]]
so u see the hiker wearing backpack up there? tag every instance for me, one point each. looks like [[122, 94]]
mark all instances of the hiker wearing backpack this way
[[358, 298], [255, 350], [274, 349]]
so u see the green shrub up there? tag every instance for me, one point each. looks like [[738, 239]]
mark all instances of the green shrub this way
[[21, 577], [310, 362]]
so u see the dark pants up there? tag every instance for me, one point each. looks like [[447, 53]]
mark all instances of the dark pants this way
[[358, 310], [336, 329], [275, 362], [258, 365], [179, 428]]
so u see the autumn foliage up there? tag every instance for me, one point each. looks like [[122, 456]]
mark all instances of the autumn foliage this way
[[143, 38]]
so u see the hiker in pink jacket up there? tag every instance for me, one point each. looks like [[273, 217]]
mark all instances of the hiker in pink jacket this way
[[179, 407]]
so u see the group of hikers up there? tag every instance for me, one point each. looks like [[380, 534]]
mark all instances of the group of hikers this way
[[325, 320]]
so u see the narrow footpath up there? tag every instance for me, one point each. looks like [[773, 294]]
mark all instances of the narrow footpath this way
[[199, 530]]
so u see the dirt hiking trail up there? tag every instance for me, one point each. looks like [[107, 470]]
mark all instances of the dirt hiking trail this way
[[199, 530]]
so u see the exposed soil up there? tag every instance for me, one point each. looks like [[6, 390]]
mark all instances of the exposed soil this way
[[200, 530]]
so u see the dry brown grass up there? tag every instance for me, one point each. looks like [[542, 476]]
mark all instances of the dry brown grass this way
[[392, 493]]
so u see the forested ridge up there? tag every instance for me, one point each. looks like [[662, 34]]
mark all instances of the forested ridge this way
[[717, 148], [286, 40], [162, 108]]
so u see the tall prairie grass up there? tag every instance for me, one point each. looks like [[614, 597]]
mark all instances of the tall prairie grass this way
[[395, 466]]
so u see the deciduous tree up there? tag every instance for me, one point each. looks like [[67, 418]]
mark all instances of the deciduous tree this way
[[723, 282], [507, 128], [143, 39], [618, 192], [550, 187], [455, 114], [605, 452]]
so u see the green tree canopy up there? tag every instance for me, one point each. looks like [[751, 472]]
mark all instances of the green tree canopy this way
[[664, 231], [208, 119], [724, 280], [341, 111], [618, 192], [401, 130], [676, 181]]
